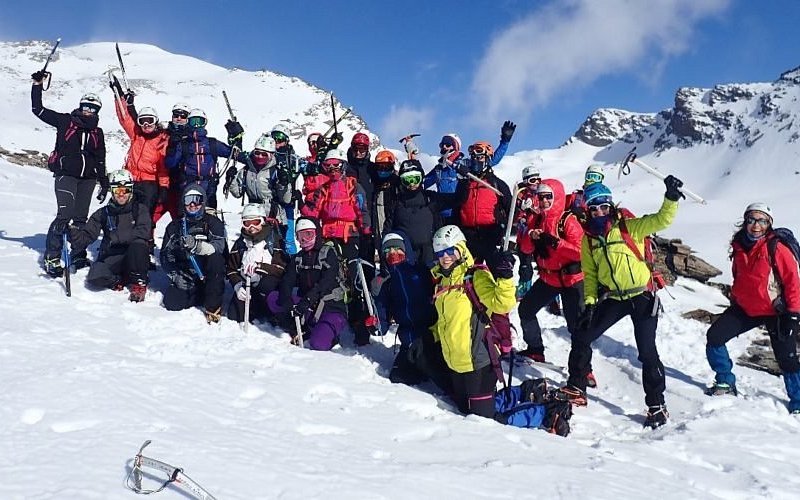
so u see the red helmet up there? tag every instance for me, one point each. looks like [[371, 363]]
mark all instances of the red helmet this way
[[360, 139]]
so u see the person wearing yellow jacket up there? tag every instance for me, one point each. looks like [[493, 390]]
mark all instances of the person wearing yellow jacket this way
[[459, 328], [617, 283]]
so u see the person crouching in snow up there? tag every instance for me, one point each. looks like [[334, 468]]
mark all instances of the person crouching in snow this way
[[618, 283], [257, 254], [316, 273], [460, 329], [126, 228], [765, 291]]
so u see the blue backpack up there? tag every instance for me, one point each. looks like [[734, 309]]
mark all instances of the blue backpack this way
[[533, 404]]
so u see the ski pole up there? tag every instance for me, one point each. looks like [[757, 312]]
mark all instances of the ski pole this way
[[625, 169], [47, 62], [247, 304], [511, 211], [65, 256], [122, 68]]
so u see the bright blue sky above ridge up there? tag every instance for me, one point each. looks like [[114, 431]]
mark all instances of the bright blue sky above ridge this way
[[436, 67]]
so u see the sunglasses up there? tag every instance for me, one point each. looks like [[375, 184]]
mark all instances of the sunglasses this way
[[193, 199], [120, 190], [360, 148], [180, 114], [197, 122], [411, 179], [545, 196], [252, 223], [447, 251], [761, 222], [90, 109], [280, 137], [146, 120], [593, 177], [261, 154], [603, 207]]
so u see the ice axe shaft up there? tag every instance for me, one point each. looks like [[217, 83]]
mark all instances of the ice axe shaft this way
[[511, 211], [624, 169], [481, 181], [47, 74], [228, 104], [122, 67]]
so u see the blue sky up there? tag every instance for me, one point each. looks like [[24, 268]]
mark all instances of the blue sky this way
[[435, 67]]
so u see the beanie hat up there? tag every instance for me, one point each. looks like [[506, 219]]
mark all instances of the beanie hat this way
[[393, 240]]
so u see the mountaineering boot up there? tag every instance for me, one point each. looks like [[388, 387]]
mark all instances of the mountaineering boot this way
[[80, 262], [591, 381], [656, 416], [53, 267], [213, 316], [573, 395], [721, 389], [138, 291], [531, 354]]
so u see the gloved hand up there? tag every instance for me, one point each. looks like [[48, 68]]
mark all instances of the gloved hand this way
[[525, 272], [522, 288], [790, 325], [502, 265], [72, 233], [230, 176], [163, 195], [312, 168], [197, 244], [129, 97], [673, 188], [586, 317], [39, 76], [336, 139], [283, 176], [301, 308], [235, 133], [462, 167], [507, 131], [548, 240], [241, 291], [102, 193]]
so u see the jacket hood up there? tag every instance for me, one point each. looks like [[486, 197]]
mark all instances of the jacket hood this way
[[411, 257], [195, 188], [553, 214]]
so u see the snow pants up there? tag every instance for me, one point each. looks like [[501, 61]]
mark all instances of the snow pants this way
[[123, 267], [540, 295], [641, 310], [321, 334], [258, 300], [474, 391], [73, 197]]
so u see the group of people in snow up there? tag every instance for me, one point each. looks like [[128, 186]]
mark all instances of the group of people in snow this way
[[339, 241]]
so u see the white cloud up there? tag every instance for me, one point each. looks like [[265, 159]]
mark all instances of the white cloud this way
[[403, 120], [569, 45]]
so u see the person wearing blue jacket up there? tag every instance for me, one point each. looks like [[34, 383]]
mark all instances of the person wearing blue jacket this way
[[445, 174], [405, 295]]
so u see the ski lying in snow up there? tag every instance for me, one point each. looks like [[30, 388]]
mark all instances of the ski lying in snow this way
[[175, 475]]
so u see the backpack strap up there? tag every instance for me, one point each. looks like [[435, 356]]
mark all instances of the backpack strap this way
[[772, 249], [561, 227], [626, 236], [491, 335]]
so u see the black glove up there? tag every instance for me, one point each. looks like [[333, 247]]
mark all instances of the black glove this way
[[312, 168], [163, 195], [235, 131], [525, 272], [116, 87], [230, 176], [463, 167], [335, 140], [129, 97], [789, 325], [548, 240], [283, 176], [673, 188], [39, 76], [72, 233], [507, 131], [541, 248], [301, 308], [103, 192], [586, 318], [502, 265]]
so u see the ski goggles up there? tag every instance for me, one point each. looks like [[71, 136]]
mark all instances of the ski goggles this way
[[121, 190], [193, 199], [602, 208], [146, 121], [478, 150], [593, 177], [253, 223], [532, 180], [183, 115], [261, 154], [389, 249], [88, 108], [306, 237], [197, 122], [450, 251], [332, 164], [750, 220], [411, 179], [279, 136], [545, 196]]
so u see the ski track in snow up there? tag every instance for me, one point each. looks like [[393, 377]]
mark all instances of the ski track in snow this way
[[87, 379]]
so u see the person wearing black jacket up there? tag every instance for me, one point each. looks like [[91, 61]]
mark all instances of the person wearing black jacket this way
[[360, 166], [318, 275], [78, 162], [193, 256], [386, 183], [123, 255]]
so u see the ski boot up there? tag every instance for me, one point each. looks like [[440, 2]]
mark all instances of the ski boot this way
[[80, 262], [656, 416], [213, 316], [53, 267], [721, 389], [138, 291]]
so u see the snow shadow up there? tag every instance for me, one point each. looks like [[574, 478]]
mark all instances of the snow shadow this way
[[35, 242]]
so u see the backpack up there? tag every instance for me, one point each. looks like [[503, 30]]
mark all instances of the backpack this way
[[785, 236], [533, 404], [207, 169]]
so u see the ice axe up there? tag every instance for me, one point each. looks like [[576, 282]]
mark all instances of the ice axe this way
[[625, 169], [46, 73], [410, 146]]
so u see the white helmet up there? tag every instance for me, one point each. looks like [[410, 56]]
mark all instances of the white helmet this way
[[91, 100], [197, 114], [265, 143], [280, 127], [181, 106], [544, 188], [120, 177], [336, 154], [594, 174], [253, 211], [148, 111], [530, 171], [447, 237], [759, 206], [304, 223]]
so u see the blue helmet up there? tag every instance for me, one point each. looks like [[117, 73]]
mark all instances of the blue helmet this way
[[597, 193]]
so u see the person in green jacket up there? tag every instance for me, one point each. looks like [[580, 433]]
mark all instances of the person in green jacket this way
[[459, 329], [618, 283]]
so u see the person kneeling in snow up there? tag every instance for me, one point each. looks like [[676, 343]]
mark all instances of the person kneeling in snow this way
[[317, 274], [192, 254], [126, 228], [257, 254], [766, 290]]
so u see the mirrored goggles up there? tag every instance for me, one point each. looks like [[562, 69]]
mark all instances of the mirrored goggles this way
[[411, 179], [193, 199], [88, 108], [593, 177], [332, 164], [451, 251], [120, 190], [146, 121], [197, 122], [478, 151], [388, 250], [253, 223], [279, 136]]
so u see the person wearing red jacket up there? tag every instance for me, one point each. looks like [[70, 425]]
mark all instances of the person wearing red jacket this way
[[765, 291], [552, 238]]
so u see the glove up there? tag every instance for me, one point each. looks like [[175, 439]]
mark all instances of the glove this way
[[235, 133], [507, 131], [129, 96], [241, 291], [163, 195], [39, 76], [522, 288], [102, 193], [377, 283], [586, 318], [301, 308], [790, 325], [463, 168], [525, 273], [366, 231], [283, 176], [189, 242], [502, 265], [230, 176], [548, 240], [673, 188], [312, 168]]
